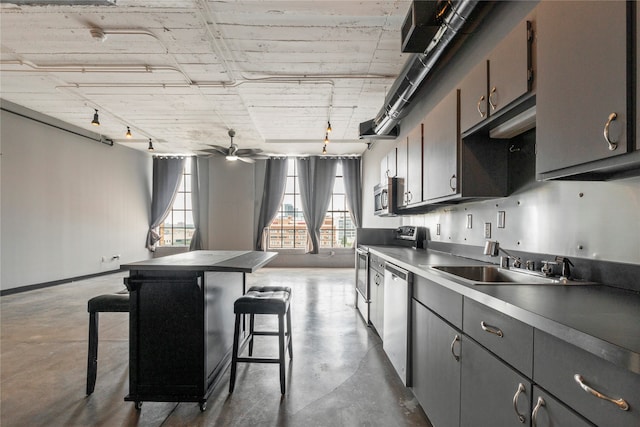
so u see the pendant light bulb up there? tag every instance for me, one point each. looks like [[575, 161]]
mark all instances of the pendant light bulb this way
[[324, 149], [96, 120], [128, 134], [150, 145], [328, 127], [326, 138]]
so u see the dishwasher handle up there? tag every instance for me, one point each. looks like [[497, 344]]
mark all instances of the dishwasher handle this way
[[397, 271]]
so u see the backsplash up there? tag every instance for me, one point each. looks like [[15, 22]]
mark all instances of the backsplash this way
[[585, 219]]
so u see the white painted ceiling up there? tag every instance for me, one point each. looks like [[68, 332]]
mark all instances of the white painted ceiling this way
[[183, 72]]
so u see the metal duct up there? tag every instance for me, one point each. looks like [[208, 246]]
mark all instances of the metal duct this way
[[418, 67]]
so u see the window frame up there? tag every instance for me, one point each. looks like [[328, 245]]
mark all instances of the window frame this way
[[186, 210]]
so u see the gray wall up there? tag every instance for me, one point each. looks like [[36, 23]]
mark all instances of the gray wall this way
[[603, 223], [66, 202]]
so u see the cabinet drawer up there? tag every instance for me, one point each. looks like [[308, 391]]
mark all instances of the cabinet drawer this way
[[505, 336], [549, 412], [556, 363], [442, 301]]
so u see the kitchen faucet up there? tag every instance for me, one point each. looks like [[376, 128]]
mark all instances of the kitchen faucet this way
[[492, 248]]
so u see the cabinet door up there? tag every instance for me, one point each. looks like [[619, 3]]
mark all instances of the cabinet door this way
[[441, 144], [376, 307], [473, 96], [436, 366], [509, 68], [388, 166], [401, 171], [413, 184], [581, 81], [493, 394], [549, 412]]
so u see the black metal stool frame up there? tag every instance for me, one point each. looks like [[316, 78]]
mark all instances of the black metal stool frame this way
[[284, 338]]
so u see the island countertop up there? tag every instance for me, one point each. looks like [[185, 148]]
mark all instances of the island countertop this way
[[235, 261]]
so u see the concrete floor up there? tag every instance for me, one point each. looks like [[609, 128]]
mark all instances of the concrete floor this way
[[339, 375]]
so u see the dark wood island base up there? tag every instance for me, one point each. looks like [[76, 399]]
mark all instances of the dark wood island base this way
[[181, 322]]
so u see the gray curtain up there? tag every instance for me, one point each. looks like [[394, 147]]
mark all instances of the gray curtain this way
[[196, 239], [316, 176], [353, 188], [167, 173], [275, 180]]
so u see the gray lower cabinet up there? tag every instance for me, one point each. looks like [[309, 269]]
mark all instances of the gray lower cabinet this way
[[376, 289], [436, 366], [492, 393], [602, 392], [581, 86], [550, 412]]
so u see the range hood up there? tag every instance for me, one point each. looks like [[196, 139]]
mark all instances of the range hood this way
[[454, 18]]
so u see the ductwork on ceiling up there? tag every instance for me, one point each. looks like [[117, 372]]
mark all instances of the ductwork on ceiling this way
[[453, 18]]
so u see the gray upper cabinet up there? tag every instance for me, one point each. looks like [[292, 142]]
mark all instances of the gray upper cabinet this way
[[474, 107], [510, 68], [581, 84], [409, 168], [441, 149], [388, 166]]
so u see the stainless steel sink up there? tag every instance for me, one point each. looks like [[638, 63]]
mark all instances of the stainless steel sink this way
[[489, 274]]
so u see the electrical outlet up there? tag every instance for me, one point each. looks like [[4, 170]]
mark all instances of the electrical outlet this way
[[487, 230]]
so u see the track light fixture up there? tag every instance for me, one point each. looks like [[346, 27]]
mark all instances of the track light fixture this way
[[128, 134], [96, 120], [150, 148]]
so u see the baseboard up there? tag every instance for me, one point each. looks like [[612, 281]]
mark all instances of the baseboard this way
[[27, 288]]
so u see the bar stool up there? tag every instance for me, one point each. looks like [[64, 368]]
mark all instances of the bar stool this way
[[262, 300], [113, 303]]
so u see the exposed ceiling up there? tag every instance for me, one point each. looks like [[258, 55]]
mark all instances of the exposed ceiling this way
[[184, 72]]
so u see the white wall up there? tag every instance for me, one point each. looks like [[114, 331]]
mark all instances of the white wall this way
[[593, 220], [232, 199], [66, 202]]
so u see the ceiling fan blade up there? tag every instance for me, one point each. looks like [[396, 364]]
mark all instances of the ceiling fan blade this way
[[246, 159], [248, 151], [216, 150]]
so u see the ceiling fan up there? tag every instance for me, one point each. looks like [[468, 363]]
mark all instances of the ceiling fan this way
[[233, 153]]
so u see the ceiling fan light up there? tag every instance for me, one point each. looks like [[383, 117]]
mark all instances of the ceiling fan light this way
[[128, 134], [96, 120], [232, 158]]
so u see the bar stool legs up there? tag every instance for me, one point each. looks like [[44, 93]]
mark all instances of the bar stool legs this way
[[92, 359], [262, 300]]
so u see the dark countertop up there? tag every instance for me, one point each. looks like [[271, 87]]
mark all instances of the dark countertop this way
[[600, 319], [235, 261]]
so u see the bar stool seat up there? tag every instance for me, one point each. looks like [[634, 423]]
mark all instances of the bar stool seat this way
[[262, 300], [108, 303]]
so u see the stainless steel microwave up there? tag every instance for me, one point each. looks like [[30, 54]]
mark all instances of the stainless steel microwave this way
[[385, 198]]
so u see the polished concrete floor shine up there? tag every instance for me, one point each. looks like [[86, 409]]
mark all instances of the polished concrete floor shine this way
[[339, 375]]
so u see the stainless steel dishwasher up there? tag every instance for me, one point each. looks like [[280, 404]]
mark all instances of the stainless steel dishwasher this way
[[397, 296]]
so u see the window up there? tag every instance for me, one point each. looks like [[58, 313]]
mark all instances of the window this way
[[177, 228], [289, 229]]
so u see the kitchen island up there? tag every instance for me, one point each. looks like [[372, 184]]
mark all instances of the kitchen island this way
[[181, 322]]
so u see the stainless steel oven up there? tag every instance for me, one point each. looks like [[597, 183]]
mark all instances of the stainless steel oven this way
[[362, 283]]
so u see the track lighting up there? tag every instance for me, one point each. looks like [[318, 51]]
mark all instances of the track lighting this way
[[96, 120], [328, 127], [128, 134], [150, 145]]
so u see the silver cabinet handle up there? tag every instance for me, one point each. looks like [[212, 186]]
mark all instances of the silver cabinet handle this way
[[491, 329], [521, 389], [453, 343], [612, 145], [453, 177], [534, 413], [620, 403], [494, 91], [483, 114]]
